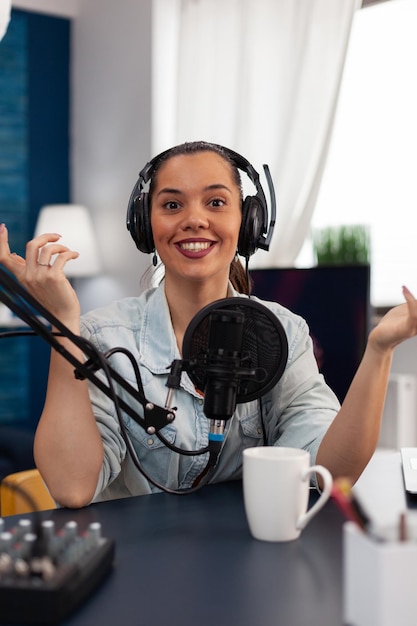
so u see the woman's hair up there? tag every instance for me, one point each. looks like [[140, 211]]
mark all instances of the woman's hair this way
[[194, 147], [237, 274]]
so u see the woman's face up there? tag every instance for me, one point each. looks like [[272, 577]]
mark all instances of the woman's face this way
[[196, 216]]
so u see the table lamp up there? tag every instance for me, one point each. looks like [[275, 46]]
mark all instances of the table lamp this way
[[73, 222]]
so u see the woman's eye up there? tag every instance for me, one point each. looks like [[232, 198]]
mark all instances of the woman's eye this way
[[217, 202], [172, 205]]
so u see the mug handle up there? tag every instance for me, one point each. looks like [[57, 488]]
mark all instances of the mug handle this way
[[304, 519]]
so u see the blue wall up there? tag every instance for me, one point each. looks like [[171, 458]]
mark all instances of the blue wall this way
[[14, 130], [34, 170]]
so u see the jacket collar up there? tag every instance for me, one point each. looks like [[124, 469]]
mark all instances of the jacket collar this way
[[157, 339]]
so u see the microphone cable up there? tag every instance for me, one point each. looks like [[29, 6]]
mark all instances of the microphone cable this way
[[84, 370], [138, 379], [103, 364], [126, 438]]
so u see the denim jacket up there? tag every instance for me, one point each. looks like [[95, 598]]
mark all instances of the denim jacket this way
[[296, 412]]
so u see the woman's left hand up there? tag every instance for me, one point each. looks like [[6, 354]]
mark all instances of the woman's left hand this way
[[399, 324]]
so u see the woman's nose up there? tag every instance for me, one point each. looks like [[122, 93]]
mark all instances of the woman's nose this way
[[195, 217]]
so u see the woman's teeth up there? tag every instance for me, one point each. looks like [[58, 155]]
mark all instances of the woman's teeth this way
[[195, 246]]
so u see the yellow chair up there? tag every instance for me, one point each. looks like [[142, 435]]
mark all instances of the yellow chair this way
[[15, 486]]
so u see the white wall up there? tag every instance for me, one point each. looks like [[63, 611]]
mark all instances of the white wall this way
[[110, 128], [111, 107], [63, 8], [405, 358]]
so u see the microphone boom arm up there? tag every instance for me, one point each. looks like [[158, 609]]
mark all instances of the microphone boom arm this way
[[18, 299]]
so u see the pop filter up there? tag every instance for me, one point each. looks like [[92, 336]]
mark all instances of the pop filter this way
[[264, 348]]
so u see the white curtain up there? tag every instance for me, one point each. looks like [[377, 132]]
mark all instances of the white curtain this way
[[261, 77], [5, 7]]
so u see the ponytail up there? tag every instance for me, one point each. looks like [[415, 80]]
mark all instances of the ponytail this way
[[239, 278]]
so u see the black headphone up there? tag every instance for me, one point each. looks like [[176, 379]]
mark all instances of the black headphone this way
[[254, 230]]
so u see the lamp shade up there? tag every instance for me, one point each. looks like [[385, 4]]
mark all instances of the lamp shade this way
[[73, 222]]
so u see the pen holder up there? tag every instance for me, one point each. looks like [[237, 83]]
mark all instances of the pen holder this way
[[379, 580]]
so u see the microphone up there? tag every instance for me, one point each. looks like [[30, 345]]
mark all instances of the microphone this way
[[223, 372], [234, 350]]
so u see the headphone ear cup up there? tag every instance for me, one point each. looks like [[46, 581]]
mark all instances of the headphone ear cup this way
[[251, 226], [140, 224]]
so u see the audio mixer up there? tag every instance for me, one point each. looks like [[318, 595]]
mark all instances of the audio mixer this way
[[46, 572]]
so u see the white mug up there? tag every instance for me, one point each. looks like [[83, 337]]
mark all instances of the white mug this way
[[276, 484]]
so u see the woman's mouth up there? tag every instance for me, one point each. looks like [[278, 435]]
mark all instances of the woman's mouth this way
[[194, 248]]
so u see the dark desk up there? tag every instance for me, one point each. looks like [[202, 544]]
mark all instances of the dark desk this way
[[190, 560]]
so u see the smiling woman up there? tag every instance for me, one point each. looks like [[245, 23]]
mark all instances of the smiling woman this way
[[87, 448]]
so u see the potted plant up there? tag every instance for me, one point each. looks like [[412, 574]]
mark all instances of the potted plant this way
[[342, 245]]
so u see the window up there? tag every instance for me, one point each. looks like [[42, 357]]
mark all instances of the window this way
[[370, 176]]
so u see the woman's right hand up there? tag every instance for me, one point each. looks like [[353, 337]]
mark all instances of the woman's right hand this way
[[68, 448], [45, 281]]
